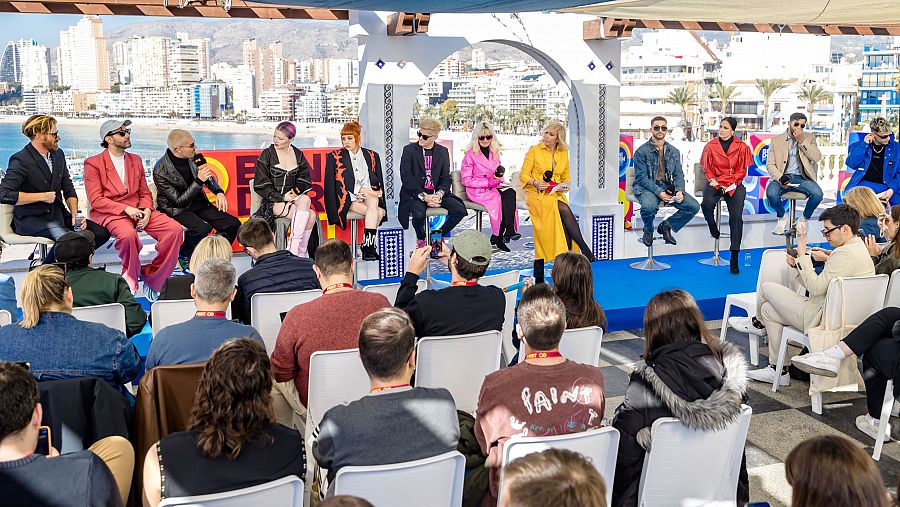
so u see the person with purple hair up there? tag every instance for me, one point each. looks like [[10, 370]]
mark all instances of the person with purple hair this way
[[282, 180]]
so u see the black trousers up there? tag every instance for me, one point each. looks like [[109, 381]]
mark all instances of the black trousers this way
[[200, 222], [508, 205], [874, 341], [735, 203], [456, 211], [58, 225]]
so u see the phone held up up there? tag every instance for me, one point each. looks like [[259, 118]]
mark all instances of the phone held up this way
[[538, 271], [44, 442], [436, 240]]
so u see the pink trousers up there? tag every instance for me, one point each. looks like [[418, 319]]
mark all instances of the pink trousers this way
[[168, 235]]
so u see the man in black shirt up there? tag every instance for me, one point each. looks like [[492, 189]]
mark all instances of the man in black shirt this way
[[464, 307], [100, 475], [180, 177]]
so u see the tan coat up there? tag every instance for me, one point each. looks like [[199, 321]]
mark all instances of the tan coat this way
[[780, 149], [851, 259]]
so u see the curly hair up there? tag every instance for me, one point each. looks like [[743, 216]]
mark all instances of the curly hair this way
[[233, 402]]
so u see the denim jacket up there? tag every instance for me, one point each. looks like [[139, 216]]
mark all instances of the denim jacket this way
[[646, 165], [61, 346]]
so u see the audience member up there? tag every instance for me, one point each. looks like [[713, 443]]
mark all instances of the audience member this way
[[94, 286], [463, 307], [181, 176], [519, 400], [887, 257], [330, 322], [193, 341], [99, 475], [778, 306], [686, 373], [345, 501], [829, 470], [274, 271], [573, 280], [210, 247], [870, 209], [60, 346], [395, 422], [8, 293], [557, 477], [234, 441]]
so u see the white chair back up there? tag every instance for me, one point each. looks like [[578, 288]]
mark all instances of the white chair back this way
[[390, 290], [629, 184], [774, 268], [861, 297], [435, 482], [5, 318], [696, 467], [110, 315], [266, 309], [166, 312], [600, 446], [581, 345], [893, 291], [459, 364], [284, 492], [504, 280]]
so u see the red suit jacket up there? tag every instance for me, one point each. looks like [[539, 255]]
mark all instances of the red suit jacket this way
[[107, 196]]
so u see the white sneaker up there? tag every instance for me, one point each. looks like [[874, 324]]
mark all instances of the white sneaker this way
[[817, 363], [767, 375], [780, 226], [150, 294], [869, 426], [745, 325]]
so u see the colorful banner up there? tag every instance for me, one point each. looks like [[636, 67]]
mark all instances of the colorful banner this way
[[759, 146], [626, 160]]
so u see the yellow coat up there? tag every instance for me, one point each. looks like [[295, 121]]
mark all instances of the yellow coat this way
[[549, 236]]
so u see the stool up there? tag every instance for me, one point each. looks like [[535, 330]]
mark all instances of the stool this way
[[431, 212], [791, 229], [354, 219], [715, 260], [10, 237], [648, 264]]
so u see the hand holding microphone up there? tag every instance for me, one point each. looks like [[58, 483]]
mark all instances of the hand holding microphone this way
[[203, 171]]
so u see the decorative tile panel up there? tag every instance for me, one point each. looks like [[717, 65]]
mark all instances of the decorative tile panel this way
[[390, 248], [602, 236]]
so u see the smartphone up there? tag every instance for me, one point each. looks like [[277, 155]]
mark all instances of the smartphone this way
[[538, 271], [44, 443], [436, 240], [862, 234]]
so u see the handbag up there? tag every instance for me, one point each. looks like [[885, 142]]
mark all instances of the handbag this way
[[821, 338]]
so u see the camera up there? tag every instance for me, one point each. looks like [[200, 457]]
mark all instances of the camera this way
[[500, 171]]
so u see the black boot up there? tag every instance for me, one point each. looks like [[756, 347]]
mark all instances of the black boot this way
[[735, 261], [369, 252], [497, 241], [666, 230], [509, 234], [647, 237]]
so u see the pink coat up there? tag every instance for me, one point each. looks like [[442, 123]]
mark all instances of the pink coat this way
[[477, 176], [105, 192]]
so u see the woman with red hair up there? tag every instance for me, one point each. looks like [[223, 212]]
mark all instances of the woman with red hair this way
[[354, 182]]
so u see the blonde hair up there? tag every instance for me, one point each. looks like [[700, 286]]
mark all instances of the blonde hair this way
[[176, 137], [863, 200], [430, 124], [38, 124], [477, 129], [560, 130], [42, 288], [210, 247]]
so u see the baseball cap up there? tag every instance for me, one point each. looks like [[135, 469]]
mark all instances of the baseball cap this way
[[472, 246], [74, 246], [110, 125]]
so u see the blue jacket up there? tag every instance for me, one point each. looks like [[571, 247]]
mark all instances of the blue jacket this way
[[860, 155], [8, 296], [61, 346], [646, 165]]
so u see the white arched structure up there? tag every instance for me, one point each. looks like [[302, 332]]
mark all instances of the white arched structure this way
[[589, 68]]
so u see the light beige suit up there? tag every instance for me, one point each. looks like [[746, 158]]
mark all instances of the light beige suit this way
[[780, 149]]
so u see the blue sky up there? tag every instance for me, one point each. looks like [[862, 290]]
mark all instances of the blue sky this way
[[45, 28]]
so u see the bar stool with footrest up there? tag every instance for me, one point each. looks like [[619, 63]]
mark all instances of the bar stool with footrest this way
[[648, 264]]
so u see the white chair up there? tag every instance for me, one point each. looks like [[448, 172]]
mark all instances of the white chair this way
[[770, 270], [266, 309], [696, 467], [5, 318], [458, 363], [864, 296], [504, 280], [336, 377], [432, 482], [166, 312], [390, 290], [581, 345], [10, 237], [892, 298], [459, 190], [600, 446], [886, 407], [284, 492], [110, 315]]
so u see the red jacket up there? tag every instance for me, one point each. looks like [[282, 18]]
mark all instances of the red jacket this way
[[726, 169], [105, 192]]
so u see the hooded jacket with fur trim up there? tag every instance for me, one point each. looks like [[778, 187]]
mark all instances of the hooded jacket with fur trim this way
[[682, 380]]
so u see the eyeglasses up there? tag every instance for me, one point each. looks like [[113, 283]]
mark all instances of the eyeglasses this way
[[485, 138], [826, 232], [424, 137], [122, 133], [801, 125], [191, 146], [657, 128], [54, 134]]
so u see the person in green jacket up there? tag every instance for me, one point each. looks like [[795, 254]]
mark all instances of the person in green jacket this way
[[94, 286]]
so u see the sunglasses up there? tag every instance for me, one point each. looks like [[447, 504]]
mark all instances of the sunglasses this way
[[54, 134], [191, 146], [801, 125], [122, 133], [485, 138], [424, 137], [657, 128]]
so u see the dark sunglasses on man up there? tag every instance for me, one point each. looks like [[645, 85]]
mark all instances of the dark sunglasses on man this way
[[663, 128], [121, 133], [798, 124], [424, 137]]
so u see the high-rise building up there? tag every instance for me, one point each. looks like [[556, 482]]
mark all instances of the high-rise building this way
[[184, 63], [878, 94], [479, 60], [148, 61], [121, 62], [202, 53], [27, 63], [9, 64], [341, 72], [84, 56], [240, 81], [210, 99]]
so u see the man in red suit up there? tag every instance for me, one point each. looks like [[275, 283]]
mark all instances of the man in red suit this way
[[121, 201]]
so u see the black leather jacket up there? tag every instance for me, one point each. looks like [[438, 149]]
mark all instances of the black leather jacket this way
[[173, 195], [272, 182]]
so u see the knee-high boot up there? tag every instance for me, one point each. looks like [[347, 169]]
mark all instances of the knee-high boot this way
[[369, 252], [299, 234]]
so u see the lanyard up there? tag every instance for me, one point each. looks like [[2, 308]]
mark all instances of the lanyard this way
[[380, 389], [335, 286], [215, 315], [542, 355], [467, 283]]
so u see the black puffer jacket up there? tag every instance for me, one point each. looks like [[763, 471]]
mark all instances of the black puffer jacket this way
[[682, 380], [279, 271], [173, 194]]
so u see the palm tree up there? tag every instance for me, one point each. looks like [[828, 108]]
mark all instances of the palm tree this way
[[812, 94], [725, 94], [449, 112], [684, 99], [480, 112], [768, 87]]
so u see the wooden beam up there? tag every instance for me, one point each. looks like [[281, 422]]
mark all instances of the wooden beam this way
[[407, 23], [204, 9]]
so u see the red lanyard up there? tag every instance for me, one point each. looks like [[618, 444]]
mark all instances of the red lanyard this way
[[542, 355], [467, 283], [336, 286], [379, 389], [215, 315]]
